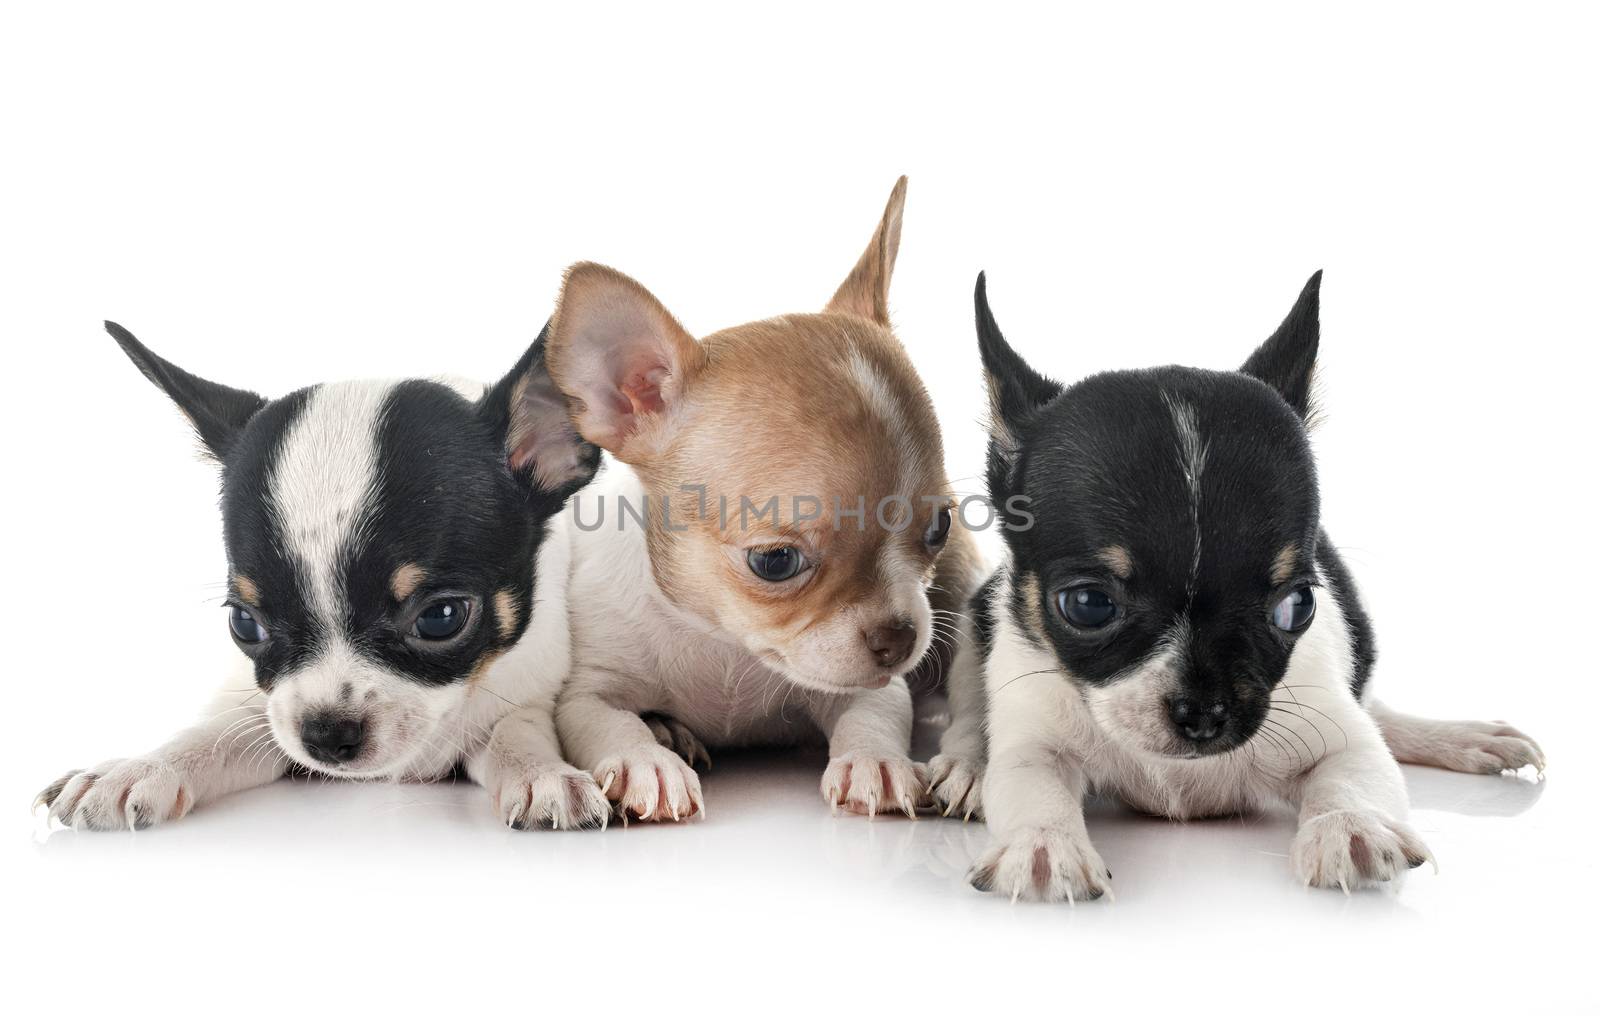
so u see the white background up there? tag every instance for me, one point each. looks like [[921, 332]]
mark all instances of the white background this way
[[315, 192]]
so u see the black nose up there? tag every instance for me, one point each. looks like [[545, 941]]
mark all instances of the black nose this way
[[1197, 721], [891, 643], [332, 739]]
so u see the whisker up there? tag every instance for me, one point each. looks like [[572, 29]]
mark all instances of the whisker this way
[[1277, 740], [255, 714], [247, 731], [1304, 759], [1031, 673], [244, 756], [502, 698], [1330, 719], [1303, 719]]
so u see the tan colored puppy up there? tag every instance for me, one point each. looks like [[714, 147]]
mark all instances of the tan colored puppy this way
[[758, 560]]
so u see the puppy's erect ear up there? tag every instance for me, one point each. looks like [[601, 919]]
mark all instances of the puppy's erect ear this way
[[1016, 391], [542, 445], [1288, 360], [217, 413], [621, 358], [865, 293]]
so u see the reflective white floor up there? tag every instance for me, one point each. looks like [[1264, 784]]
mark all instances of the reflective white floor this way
[[346, 894]]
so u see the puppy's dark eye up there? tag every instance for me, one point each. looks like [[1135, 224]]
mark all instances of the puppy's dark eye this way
[[1295, 611], [776, 564], [1086, 606], [245, 627], [442, 619], [939, 530]]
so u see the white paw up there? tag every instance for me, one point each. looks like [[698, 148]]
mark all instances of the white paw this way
[[651, 784], [554, 796], [1350, 849], [1051, 865], [1471, 746], [867, 784], [956, 784], [676, 737], [133, 793]]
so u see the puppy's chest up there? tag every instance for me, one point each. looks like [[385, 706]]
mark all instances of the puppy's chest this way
[[1182, 789], [730, 698]]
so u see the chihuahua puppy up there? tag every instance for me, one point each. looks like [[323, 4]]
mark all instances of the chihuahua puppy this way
[[761, 553], [397, 587], [1174, 626]]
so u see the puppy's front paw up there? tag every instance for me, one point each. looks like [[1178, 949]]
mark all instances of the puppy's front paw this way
[[956, 783], [1043, 864], [1471, 746], [867, 784], [554, 796], [676, 737], [1350, 849], [133, 793], [651, 784]]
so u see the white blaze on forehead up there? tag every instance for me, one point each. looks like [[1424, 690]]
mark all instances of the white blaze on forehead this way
[[881, 399], [1192, 457], [323, 485]]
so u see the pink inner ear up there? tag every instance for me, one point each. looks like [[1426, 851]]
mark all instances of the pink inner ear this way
[[554, 457], [643, 391], [636, 394]]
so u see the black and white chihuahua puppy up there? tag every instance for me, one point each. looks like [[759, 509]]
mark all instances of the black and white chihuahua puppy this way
[[1174, 627], [397, 575]]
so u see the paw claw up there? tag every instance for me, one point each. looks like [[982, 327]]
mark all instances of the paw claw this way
[[1355, 849], [677, 738], [867, 785], [1470, 746], [552, 796], [652, 783], [121, 795], [956, 785], [1053, 865]]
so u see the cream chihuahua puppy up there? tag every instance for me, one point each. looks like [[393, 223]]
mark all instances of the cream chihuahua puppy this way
[[759, 556]]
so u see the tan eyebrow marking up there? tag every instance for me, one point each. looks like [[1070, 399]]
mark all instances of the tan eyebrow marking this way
[[405, 580], [1118, 559], [246, 590], [506, 613], [1029, 588], [1284, 564], [485, 661]]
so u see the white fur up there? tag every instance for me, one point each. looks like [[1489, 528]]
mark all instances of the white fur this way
[[501, 724], [1192, 456], [875, 389], [956, 773], [1048, 745], [1467, 746], [325, 478], [634, 651]]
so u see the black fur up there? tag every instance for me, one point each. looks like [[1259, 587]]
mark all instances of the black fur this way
[[1363, 644], [1102, 465], [981, 607], [1287, 361], [254, 544], [217, 412], [1016, 394], [447, 501]]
